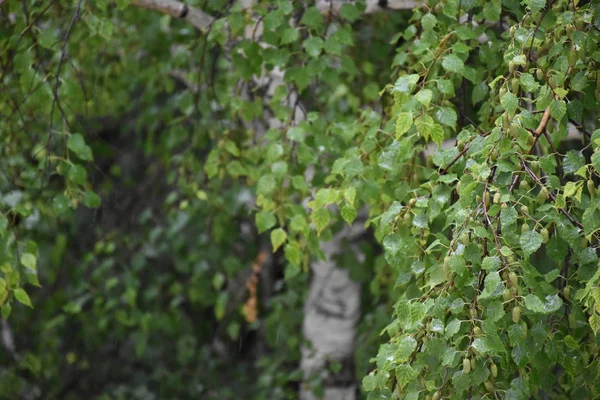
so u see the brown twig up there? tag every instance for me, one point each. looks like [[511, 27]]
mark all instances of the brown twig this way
[[552, 195], [543, 122], [454, 160]]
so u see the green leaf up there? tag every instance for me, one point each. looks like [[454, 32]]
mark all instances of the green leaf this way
[[552, 304], [91, 199], [535, 5], [278, 237], [405, 348], [492, 10], [312, 18], [437, 134], [279, 168], [528, 82], [446, 116], [446, 87], [313, 46], [264, 220], [289, 35], [491, 263], [452, 63], [77, 174], [595, 323], [428, 21], [350, 195], [492, 281], [452, 328], [530, 241], [558, 109], [533, 303], [480, 92], [22, 297], [406, 83], [508, 216], [6, 309], [348, 214], [320, 218], [424, 97], [77, 145], [488, 344], [404, 375], [293, 253], [60, 204], [424, 124], [349, 12], [392, 244], [571, 342], [296, 134], [29, 260], [403, 124], [510, 102], [369, 382], [266, 184]]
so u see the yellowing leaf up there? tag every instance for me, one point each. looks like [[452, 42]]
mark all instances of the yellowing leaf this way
[[278, 237]]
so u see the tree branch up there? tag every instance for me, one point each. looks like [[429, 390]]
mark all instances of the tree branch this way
[[372, 6], [177, 9], [202, 20]]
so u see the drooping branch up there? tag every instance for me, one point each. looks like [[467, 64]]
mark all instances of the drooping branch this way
[[202, 20]]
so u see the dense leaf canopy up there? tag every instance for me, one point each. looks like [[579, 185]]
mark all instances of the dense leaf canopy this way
[[151, 164]]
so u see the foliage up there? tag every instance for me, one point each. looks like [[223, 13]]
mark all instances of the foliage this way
[[496, 237], [489, 245]]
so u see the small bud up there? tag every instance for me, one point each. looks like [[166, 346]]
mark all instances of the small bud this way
[[545, 235], [514, 85], [497, 197], [591, 187], [513, 278], [464, 238], [542, 195], [505, 121], [489, 386], [516, 314], [572, 321], [473, 313], [494, 370], [539, 74], [466, 365]]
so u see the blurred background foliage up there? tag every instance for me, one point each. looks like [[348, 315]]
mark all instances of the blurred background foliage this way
[[140, 294]]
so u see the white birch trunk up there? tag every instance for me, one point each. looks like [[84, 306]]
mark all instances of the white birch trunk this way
[[331, 312]]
